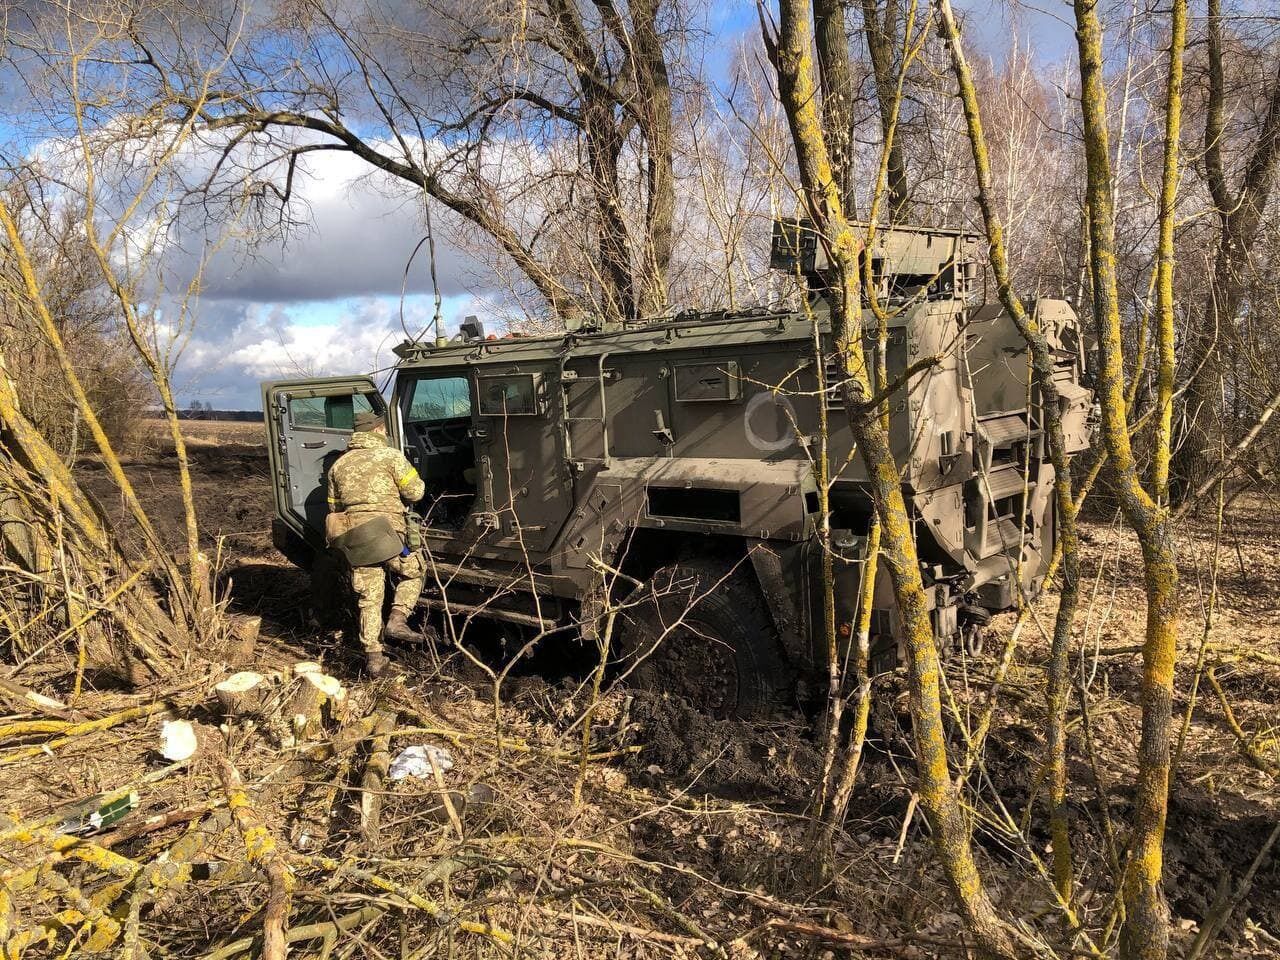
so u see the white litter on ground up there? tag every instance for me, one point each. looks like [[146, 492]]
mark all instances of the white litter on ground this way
[[415, 761]]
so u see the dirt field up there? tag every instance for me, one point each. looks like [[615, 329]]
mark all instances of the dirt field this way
[[710, 815]]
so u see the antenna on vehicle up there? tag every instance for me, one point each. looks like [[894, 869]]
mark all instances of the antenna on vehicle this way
[[435, 287], [430, 241]]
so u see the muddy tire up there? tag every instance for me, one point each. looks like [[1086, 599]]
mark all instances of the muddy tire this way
[[700, 630]]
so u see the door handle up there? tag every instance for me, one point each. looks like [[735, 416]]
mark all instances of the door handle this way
[[315, 444]]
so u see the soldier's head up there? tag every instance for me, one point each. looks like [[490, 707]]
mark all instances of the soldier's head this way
[[370, 422]]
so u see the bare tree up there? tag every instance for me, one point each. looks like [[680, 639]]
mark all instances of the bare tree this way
[[881, 27], [1051, 409], [791, 52], [536, 125], [68, 275], [1240, 215], [1145, 931]]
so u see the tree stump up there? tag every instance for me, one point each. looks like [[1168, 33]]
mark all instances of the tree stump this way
[[316, 698], [202, 590], [243, 695], [242, 641]]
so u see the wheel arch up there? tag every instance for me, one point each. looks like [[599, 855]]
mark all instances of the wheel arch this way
[[772, 566]]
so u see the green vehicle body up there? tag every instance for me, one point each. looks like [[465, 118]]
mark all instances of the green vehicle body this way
[[550, 459]]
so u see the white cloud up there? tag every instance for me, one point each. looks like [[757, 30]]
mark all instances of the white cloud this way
[[361, 228], [225, 360], [326, 302]]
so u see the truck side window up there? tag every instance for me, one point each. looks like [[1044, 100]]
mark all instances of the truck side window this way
[[508, 396], [328, 413]]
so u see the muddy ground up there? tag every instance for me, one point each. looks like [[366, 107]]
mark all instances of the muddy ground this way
[[717, 808]]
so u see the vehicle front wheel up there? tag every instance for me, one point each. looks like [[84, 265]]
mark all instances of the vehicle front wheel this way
[[700, 630]]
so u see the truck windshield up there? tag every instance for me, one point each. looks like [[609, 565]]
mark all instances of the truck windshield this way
[[441, 398]]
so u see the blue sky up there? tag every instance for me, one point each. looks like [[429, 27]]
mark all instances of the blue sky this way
[[329, 302]]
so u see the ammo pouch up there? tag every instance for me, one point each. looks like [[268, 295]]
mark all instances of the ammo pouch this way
[[413, 532], [366, 543]]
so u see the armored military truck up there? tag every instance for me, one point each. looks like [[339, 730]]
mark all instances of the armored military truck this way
[[664, 468]]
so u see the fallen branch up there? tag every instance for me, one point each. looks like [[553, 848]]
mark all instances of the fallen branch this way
[[86, 727], [1220, 913], [29, 698], [327, 931], [260, 847], [641, 933], [157, 822], [857, 941], [68, 810], [681, 920], [1257, 760], [412, 898]]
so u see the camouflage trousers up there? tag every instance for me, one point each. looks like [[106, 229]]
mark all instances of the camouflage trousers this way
[[370, 584]]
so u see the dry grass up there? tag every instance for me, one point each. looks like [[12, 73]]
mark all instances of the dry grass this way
[[210, 432], [691, 837]]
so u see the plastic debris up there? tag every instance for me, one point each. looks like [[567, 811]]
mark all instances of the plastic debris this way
[[96, 815], [177, 740], [416, 761]]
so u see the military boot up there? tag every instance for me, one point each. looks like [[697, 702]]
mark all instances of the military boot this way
[[398, 628], [376, 664]]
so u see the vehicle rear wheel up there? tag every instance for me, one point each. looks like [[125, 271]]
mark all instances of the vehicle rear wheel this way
[[700, 630]]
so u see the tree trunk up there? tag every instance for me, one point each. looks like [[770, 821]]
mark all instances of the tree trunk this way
[[603, 138], [1241, 217], [1057, 669], [793, 61], [604, 145], [881, 42], [831, 33], [654, 87], [1145, 930]]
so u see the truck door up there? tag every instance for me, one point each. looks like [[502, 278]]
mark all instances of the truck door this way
[[308, 425], [437, 421], [521, 459]]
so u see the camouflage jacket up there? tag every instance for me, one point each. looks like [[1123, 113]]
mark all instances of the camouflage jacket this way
[[372, 477]]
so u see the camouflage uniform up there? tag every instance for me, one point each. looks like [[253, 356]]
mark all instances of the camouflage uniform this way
[[372, 478]]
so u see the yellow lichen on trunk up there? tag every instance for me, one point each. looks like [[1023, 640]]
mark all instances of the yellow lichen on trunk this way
[[1144, 934], [1044, 368], [261, 851], [792, 55], [1163, 446]]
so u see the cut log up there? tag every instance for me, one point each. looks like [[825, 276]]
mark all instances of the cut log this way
[[373, 781]]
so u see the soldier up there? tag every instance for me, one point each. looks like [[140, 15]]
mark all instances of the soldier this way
[[372, 480]]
